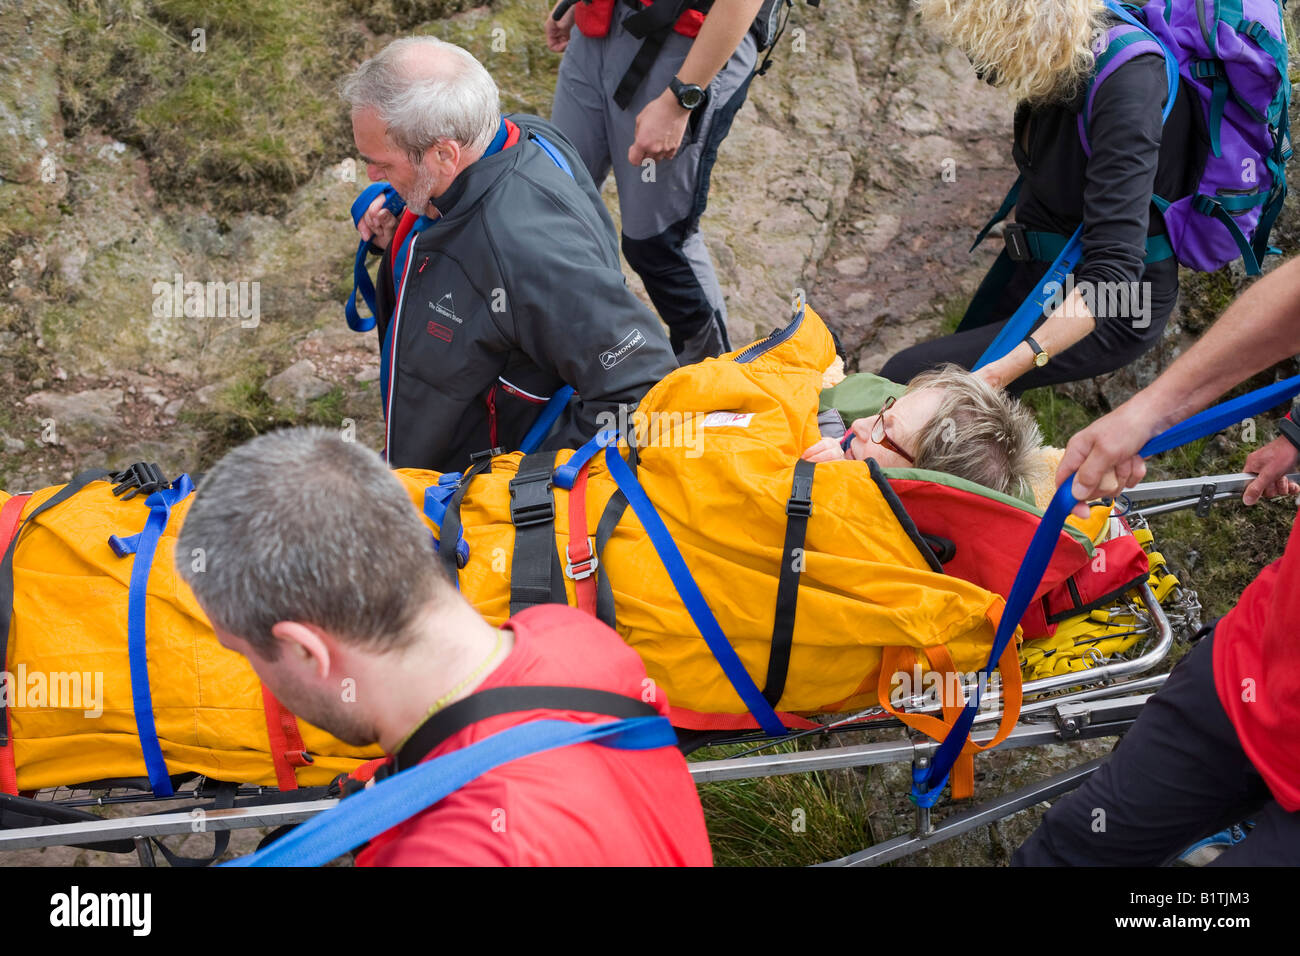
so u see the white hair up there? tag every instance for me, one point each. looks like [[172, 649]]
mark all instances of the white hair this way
[[458, 101]]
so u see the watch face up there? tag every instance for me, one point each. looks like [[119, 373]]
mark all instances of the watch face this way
[[690, 97], [1040, 359]]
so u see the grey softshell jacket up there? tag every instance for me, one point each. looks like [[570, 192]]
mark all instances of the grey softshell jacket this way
[[513, 292]]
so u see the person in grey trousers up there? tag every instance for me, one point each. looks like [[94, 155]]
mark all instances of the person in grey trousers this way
[[656, 119]]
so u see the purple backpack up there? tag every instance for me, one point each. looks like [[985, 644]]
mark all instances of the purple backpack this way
[[1232, 54]]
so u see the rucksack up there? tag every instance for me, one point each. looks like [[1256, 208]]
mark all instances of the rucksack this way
[[1233, 58], [1232, 54]]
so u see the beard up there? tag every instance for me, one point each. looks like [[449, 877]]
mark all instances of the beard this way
[[421, 191], [330, 711]]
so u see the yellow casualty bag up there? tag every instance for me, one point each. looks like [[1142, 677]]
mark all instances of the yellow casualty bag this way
[[785, 585], [808, 619], [87, 698]]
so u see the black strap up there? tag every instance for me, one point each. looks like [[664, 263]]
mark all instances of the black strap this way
[[653, 23], [221, 838], [449, 530], [509, 700], [17, 812], [78, 482], [797, 510], [609, 519], [534, 565]]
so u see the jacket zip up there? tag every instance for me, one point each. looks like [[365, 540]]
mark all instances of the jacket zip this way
[[392, 358], [491, 402]]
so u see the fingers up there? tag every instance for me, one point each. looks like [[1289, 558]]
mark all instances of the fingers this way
[[827, 449]]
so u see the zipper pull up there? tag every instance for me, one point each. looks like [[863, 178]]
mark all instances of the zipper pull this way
[[422, 265]]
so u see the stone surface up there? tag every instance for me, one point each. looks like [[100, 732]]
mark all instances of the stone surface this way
[[95, 407], [297, 385]]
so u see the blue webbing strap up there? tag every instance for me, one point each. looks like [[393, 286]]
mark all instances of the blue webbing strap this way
[[143, 546], [360, 274], [690, 594], [567, 474], [928, 784], [555, 406], [383, 806], [1035, 304], [435, 508]]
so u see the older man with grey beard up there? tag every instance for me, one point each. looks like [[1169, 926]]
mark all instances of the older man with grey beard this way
[[500, 284]]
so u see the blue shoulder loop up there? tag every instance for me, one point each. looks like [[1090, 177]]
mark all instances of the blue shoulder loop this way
[[143, 546], [1035, 306], [546, 419], [395, 799], [927, 784], [435, 509], [360, 275]]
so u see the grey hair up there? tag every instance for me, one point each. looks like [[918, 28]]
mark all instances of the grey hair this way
[[978, 432], [459, 102], [299, 525]]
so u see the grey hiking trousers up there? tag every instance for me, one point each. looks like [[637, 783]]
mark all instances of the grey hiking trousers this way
[[659, 204]]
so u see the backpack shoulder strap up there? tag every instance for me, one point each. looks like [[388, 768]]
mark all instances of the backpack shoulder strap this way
[[496, 701], [1123, 42]]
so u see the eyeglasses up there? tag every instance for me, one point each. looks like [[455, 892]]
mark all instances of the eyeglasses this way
[[881, 437]]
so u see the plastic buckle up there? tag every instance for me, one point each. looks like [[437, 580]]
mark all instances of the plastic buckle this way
[[1013, 234], [800, 503], [140, 477], [530, 500], [478, 456], [582, 568], [1206, 499]]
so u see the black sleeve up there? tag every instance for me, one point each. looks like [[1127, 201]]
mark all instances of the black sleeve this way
[[1124, 131], [578, 318]]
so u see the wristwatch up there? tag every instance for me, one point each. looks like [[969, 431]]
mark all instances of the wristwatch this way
[[1289, 429], [1040, 353], [689, 96]]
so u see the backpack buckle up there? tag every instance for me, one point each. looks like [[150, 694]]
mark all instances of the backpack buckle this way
[[1013, 233], [579, 568], [530, 500], [139, 478]]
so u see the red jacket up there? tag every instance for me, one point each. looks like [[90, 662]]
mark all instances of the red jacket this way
[[583, 805], [1257, 673]]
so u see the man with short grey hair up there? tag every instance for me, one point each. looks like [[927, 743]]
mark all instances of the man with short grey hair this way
[[319, 570], [500, 282]]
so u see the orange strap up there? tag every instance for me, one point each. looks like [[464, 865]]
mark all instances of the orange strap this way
[[895, 659], [580, 550], [10, 515], [287, 749]]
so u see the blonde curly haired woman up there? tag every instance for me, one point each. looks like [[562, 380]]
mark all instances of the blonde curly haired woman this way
[[1041, 53]]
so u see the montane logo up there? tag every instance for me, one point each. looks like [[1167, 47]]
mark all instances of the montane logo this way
[[631, 342]]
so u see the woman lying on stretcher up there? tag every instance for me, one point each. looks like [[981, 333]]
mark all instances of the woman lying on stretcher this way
[[946, 420]]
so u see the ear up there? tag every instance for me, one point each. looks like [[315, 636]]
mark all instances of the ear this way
[[307, 645], [447, 153]]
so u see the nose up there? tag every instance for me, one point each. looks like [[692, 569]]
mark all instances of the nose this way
[[373, 172]]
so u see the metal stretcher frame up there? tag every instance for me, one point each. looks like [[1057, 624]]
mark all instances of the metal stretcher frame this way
[[1107, 707]]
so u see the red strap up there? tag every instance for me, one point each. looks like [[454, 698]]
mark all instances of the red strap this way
[[8, 769], [287, 749], [10, 515], [579, 549]]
